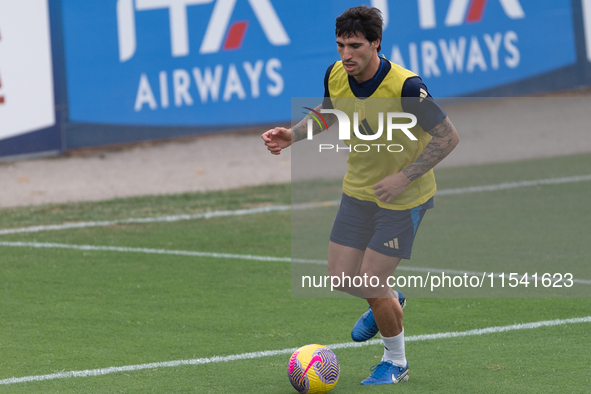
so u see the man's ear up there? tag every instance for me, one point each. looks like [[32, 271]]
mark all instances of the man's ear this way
[[375, 44]]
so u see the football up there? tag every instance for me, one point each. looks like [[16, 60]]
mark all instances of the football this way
[[313, 369]]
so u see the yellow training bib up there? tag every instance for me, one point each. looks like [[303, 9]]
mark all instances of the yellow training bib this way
[[385, 156]]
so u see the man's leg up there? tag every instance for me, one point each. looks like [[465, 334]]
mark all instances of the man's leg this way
[[345, 263], [383, 301], [388, 316]]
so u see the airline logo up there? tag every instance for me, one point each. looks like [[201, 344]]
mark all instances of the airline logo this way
[[435, 51], [217, 28], [464, 11], [458, 11]]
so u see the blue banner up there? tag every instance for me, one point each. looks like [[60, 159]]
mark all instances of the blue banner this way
[[460, 47], [225, 62], [239, 62]]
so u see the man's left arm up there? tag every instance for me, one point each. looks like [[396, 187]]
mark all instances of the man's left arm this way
[[444, 140]]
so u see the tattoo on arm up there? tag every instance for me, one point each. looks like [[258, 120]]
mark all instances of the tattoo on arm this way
[[300, 130], [443, 142]]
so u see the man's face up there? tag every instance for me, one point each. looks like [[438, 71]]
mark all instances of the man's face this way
[[356, 53]]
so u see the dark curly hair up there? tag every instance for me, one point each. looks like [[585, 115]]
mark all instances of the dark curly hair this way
[[362, 19]]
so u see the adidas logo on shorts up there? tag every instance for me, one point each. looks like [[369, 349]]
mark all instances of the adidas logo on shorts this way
[[393, 244]]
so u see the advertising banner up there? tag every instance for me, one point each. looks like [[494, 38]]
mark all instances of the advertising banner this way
[[193, 62], [238, 62], [461, 47], [26, 76]]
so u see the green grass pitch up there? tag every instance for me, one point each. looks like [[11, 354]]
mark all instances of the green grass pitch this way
[[70, 310]]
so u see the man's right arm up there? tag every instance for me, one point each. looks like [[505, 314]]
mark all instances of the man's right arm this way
[[300, 130], [280, 138]]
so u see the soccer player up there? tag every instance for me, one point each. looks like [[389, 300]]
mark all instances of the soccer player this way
[[385, 196]]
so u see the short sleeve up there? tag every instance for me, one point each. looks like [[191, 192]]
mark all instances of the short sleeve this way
[[417, 101], [327, 102]]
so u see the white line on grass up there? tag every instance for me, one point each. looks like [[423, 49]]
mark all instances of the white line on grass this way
[[269, 353], [514, 185], [48, 245], [174, 218], [274, 208], [144, 250]]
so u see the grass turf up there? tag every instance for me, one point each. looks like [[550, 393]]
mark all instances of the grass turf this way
[[68, 310]]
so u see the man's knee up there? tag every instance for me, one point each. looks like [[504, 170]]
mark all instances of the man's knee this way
[[376, 293], [344, 263]]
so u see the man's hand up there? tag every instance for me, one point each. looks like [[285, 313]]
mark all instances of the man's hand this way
[[277, 139], [390, 187]]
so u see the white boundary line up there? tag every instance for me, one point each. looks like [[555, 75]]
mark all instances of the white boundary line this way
[[175, 218], [247, 356], [514, 185], [145, 250], [273, 208], [42, 245]]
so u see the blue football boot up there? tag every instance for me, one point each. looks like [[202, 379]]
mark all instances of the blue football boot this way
[[387, 373], [366, 327]]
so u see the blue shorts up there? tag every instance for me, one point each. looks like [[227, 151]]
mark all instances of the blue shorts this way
[[363, 224]]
